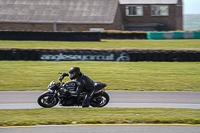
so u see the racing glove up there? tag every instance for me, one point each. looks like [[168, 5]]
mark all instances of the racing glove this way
[[63, 75]]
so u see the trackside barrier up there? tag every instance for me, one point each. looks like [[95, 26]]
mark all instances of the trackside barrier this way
[[154, 35], [178, 35], [50, 36], [100, 55], [197, 35], [188, 35], [105, 35], [168, 35], [92, 36], [173, 35], [67, 36]]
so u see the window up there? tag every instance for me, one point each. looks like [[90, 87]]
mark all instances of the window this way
[[159, 10], [134, 10], [96, 29]]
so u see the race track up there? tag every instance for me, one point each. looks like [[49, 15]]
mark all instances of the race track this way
[[121, 99]]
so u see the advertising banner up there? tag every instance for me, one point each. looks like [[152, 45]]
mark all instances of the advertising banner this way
[[97, 55], [84, 56]]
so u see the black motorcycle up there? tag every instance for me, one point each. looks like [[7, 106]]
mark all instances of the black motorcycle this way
[[64, 94]]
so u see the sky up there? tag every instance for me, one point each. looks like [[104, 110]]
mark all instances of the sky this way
[[191, 6]]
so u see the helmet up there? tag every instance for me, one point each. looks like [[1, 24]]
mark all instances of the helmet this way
[[74, 72]]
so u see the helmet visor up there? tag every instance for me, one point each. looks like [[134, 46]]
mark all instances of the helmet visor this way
[[71, 75]]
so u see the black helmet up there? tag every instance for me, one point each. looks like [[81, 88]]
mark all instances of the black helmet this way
[[74, 72]]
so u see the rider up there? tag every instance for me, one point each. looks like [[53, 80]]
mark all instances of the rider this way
[[84, 84]]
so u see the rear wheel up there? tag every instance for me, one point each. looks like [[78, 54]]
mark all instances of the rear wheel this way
[[100, 99], [47, 101]]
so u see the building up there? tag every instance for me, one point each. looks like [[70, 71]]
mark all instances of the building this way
[[89, 15], [152, 14]]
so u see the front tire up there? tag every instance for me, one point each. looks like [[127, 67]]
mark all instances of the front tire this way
[[47, 101], [100, 99]]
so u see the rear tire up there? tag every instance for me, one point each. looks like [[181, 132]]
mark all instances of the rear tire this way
[[47, 101], [100, 99]]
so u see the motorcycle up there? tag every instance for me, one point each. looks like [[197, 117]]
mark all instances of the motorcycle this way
[[64, 94]]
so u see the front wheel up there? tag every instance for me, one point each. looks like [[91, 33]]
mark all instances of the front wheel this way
[[100, 99], [47, 101]]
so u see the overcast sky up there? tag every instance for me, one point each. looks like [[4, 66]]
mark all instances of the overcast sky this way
[[191, 6]]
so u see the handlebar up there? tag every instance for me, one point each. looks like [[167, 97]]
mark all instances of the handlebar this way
[[60, 79]]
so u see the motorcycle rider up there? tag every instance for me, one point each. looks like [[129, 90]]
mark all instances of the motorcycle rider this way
[[84, 84]]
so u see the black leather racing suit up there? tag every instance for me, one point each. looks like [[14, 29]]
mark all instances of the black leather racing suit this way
[[85, 84]]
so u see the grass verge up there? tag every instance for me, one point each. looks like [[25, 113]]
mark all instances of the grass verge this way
[[106, 44], [140, 76], [60, 116]]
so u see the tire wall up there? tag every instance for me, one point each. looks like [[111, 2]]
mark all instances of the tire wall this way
[[123, 35], [67, 36], [95, 55], [50, 36], [92, 36]]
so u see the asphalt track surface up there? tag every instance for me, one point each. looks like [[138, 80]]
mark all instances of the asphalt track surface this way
[[121, 99], [131, 99], [105, 129]]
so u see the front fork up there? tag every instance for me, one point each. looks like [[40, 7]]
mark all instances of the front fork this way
[[53, 94]]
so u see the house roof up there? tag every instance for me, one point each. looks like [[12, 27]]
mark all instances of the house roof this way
[[148, 1], [59, 11]]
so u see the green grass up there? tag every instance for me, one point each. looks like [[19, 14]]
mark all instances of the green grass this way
[[107, 44], [146, 76], [26, 117]]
